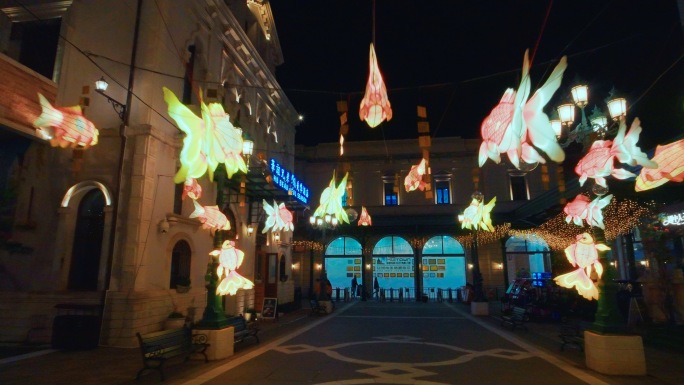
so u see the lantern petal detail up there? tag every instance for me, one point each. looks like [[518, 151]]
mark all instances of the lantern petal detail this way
[[365, 218], [414, 179], [670, 160], [375, 106]]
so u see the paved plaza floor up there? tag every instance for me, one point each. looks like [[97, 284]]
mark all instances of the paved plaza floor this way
[[361, 343]]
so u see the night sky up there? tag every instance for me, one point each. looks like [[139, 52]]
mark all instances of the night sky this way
[[458, 57]]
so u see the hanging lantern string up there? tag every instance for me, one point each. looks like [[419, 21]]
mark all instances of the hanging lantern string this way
[[541, 32], [373, 36]]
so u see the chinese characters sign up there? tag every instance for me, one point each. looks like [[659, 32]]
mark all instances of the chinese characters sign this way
[[287, 181], [672, 219]]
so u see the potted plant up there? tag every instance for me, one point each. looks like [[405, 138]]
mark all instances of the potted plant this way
[[175, 320], [182, 284], [250, 314]]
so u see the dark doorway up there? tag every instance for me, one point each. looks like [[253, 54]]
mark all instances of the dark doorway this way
[[180, 264], [87, 248]]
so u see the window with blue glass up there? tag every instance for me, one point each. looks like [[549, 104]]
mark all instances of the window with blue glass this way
[[391, 196], [344, 199], [442, 192]]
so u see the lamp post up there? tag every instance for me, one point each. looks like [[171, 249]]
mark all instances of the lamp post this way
[[608, 318], [477, 274], [320, 223], [596, 125], [120, 108]]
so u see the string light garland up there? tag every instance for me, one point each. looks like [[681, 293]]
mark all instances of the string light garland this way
[[620, 217], [308, 245], [486, 237]]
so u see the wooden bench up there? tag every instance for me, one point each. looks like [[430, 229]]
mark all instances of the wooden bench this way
[[157, 347], [316, 307], [571, 335], [517, 317], [242, 330]]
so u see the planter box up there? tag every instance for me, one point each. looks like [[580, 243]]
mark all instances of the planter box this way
[[479, 308]]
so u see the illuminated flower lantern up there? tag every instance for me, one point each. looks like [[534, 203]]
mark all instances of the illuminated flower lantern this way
[[478, 215], [208, 141], [365, 218], [375, 107], [331, 200], [598, 163], [191, 189], [211, 217], [583, 254], [230, 259], [414, 179], [670, 160], [65, 127], [582, 208], [517, 127], [278, 217]]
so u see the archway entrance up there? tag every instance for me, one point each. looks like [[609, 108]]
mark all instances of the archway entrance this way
[[343, 262], [87, 246], [444, 265], [394, 266]]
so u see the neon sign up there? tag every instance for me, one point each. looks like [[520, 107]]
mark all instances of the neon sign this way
[[672, 219], [287, 181]]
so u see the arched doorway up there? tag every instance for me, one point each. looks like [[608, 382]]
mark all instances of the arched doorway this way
[[180, 264], [394, 264], [87, 246], [444, 264], [343, 261]]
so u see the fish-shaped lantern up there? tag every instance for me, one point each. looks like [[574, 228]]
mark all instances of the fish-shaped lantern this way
[[331, 200], [583, 254], [599, 162], [192, 189], [414, 179], [518, 127], [279, 217], [230, 258], [670, 160], [211, 217], [478, 215], [209, 140], [582, 208], [365, 218], [375, 107], [65, 127]]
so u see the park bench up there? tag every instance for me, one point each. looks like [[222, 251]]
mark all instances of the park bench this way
[[242, 330], [517, 317], [571, 335], [157, 347], [316, 307]]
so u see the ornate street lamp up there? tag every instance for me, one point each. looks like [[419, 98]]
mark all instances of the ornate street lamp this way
[[120, 108]]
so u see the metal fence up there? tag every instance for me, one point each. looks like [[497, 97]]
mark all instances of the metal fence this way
[[408, 294]]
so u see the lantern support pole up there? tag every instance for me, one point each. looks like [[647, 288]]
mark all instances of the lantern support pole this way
[[608, 318]]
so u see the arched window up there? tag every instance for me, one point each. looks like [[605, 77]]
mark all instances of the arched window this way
[[393, 263], [443, 263], [343, 261], [180, 264], [87, 247]]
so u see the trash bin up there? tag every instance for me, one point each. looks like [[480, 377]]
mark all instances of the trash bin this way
[[76, 327]]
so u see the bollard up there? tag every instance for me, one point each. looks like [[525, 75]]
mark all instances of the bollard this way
[[401, 295], [391, 295], [451, 296], [337, 294], [346, 295]]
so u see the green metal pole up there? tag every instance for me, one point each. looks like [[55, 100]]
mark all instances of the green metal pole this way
[[608, 318], [214, 317]]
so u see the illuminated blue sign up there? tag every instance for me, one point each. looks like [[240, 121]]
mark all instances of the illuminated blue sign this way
[[287, 181]]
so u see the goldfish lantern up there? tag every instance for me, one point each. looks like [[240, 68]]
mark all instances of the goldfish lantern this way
[[670, 160], [581, 208], [331, 200], [209, 140], [599, 162], [478, 215], [365, 218], [518, 126], [65, 127], [211, 217], [278, 217], [583, 254], [414, 179], [375, 107], [191, 189], [230, 259]]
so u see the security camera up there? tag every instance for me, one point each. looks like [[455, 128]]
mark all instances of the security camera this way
[[164, 226]]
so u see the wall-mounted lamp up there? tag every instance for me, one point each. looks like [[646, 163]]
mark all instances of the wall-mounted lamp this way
[[470, 266], [120, 108], [368, 266], [276, 237], [498, 266], [247, 147], [250, 229], [295, 266], [319, 266]]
